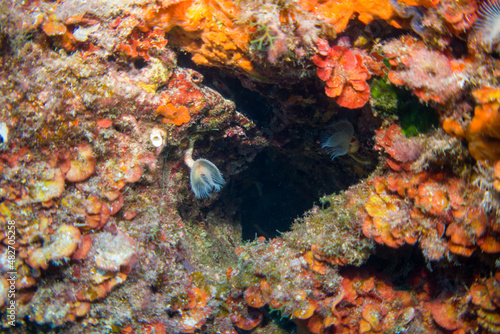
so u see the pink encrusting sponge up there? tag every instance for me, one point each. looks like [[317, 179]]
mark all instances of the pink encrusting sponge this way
[[488, 25]]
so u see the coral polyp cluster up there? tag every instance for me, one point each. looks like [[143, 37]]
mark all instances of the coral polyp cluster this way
[[432, 75], [102, 226], [344, 73], [483, 129]]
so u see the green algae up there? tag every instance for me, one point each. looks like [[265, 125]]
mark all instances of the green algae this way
[[415, 117], [384, 97], [391, 101]]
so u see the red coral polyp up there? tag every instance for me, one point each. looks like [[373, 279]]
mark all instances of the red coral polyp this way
[[345, 76]]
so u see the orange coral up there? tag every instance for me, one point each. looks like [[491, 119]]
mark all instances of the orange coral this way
[[406, 208], [305, 306], [446, 313], [338, 13], [58, 29], [195, 311], [368, 303], [402, 150], [315, 324], [139, 43], [246, 319], [453, 128], [63, 244], [83, 248], [459, 15], [384, 212], [485, 294], [490, 243], [82, 163], [480, 296], [97, 212], [432, 197], [174, 115], [345, 75], [484, 129], [193, 320], [431, 204], [115, 174], [54, 28], [371, 318], [254, 297], [208, 31]]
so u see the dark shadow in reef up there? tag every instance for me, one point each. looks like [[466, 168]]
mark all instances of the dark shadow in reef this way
[[285, 179], [397, 264], [406, 266], [278, 187], [256, 103]]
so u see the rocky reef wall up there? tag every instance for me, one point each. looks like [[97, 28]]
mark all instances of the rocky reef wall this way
[[129, 130]]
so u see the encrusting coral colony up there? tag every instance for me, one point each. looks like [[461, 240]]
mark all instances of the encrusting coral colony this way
[[102, 101]]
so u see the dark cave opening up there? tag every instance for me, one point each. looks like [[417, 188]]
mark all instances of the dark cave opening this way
[[288, 177], [278, 187], [397, 264]]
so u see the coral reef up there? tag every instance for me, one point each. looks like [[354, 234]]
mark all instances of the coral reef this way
[[101, 224], [483, 130], [224, 43], [344, 73], [459, 15], [338, 14], [430, 74]]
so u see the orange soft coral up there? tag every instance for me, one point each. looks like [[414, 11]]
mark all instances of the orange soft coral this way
[[446, 312], [139, 43], [368, 303], [485, 294], [388, 221], [207, 30], [174, 115], [345, 75], [338, 13], [484, 129], [432, 208], [459, 15]]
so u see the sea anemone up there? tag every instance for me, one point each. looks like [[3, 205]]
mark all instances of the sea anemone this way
[[205, 177], [341, 140], [488, 25]]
